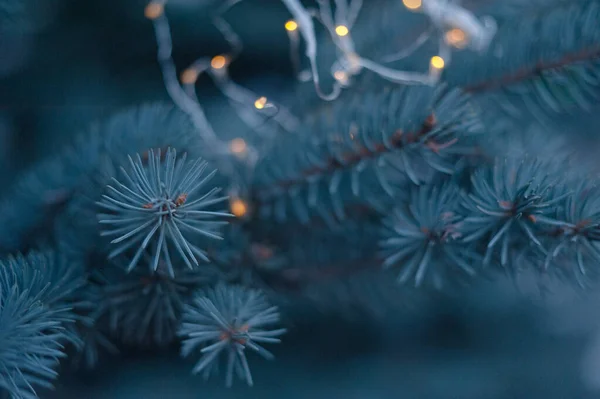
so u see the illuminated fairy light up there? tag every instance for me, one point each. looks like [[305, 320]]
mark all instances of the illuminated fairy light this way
[[218, 62], [153, 10], [260, 103], [238, 207], [342, 30], [437, 62], [238, 146], [189, 76], [456, 37], [291, 25], [341, 77], [412, 4]]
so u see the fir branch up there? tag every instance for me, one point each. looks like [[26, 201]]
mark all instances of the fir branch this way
[[397, 141], [536, 71], [144, 307], [31, 205], [94, 343], [552, 58], [94, 339], [424, 237], [512, 208], [228, 320], [56, 196], [34, 314], [505, 203], [101, 152], [363, 150], [573, 235], [158, 206]]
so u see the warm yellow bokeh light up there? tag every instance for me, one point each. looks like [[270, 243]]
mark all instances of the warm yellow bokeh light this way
[[260, 102], [412, 4], [456, 37], [189, 76], [340, 76], [341, 30], [237, 146], [218, 62], [238, 208], [153, 10], [291, 25], [437, 62]]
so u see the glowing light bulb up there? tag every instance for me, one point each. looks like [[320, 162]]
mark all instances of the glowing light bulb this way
[[189, 76], [291, 25], [412, 4], [341, 30], [218, 62], [260, 103], [341, 76], [237, 146], [456, 37], [153, 10], [238, 207], [437, 62]]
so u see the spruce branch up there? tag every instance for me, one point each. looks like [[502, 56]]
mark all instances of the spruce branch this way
[[144, 307], [573, 234], [551, 59], [363, 149], [505, 203], [423, 237], [34, 315], [95, 343], [228, 320], [159, 206], [94, 340], [56, 196], [387, 166], [98, 155], [543, 70]]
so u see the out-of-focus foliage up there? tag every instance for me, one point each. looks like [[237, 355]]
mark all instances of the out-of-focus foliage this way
[[34, 315], [228, 319], [464, 190]]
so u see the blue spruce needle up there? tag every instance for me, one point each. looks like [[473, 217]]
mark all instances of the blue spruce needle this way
[[228, 319], [33, 321], [161, 204]]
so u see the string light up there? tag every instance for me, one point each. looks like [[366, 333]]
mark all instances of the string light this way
[[412, 4], [238, 207], [437, 62], [238, 146], [260, 103], [341, 30], [189, 76], [218, 62], [341, 76], [153, 10], [456, 37], [291, 25], [353, 62]]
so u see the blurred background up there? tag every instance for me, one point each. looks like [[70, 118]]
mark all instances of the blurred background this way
[[67, 63]]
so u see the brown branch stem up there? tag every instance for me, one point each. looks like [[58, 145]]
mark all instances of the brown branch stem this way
[[398, 140], [529, 72]]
